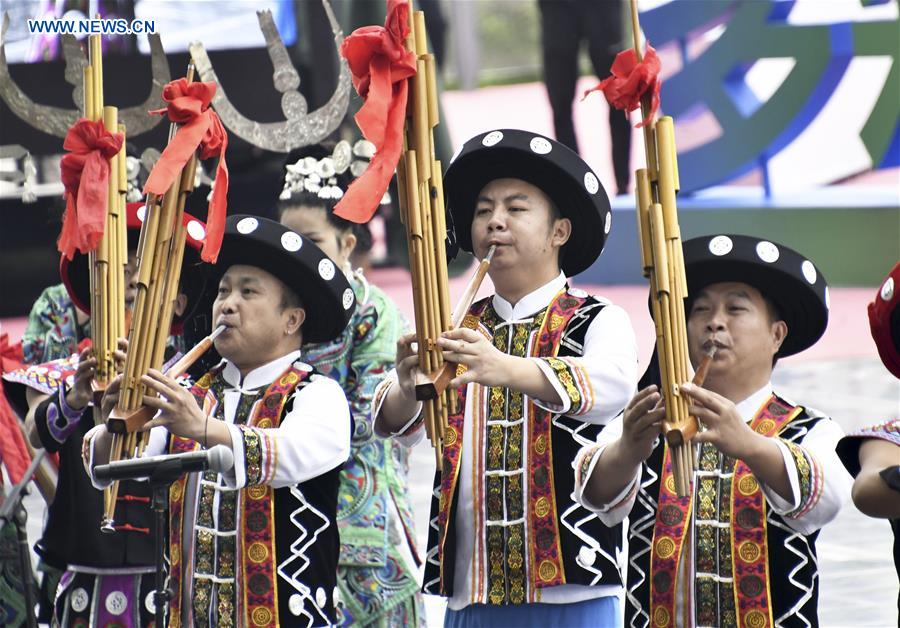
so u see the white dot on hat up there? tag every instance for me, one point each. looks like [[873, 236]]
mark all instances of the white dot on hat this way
[[347, 299], [827, 299], [887, 290], [492, 138], [721, 245], [247, 225], [607, 225], [809, 271], [591, 184], [326, 269], [142, 212], [541, 145], [196, 230], [767, 251], [291, 241]]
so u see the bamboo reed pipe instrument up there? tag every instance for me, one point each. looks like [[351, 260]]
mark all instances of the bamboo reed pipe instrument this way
[[663, 263], [421, 201], [159, 257], [106, 264], [430, 387]]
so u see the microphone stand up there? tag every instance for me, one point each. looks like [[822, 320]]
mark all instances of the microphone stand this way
[[13, 511], [160, 482]]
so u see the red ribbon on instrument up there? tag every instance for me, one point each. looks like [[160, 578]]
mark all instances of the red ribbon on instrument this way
[[380, 64], [631, 80], [13, 451], [200, 127], [85, 175]]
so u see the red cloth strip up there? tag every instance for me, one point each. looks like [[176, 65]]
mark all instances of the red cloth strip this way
[[85, 174], [630, 81], [188, 106], [13, 452], [380, 65]]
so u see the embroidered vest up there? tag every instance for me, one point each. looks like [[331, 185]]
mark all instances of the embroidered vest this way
[[257, 589], [546, 554], [749, 551]]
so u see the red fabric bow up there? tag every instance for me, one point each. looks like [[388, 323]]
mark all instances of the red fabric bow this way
[[631, 79], [85, 174], [380, 65], [13, 451], [188, 105]]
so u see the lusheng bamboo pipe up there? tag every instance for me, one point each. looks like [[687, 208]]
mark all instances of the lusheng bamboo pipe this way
[[681, 434], [160, 257], [433, 387], [421, 200], [662, 261], [106, 263]]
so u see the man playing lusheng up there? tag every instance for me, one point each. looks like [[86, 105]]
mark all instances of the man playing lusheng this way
[[258, 545], [545, 367], [104, 577], [741, 549]]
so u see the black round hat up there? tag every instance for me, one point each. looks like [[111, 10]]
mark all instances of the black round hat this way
[[326, 294], [544, 163], [793, 283]]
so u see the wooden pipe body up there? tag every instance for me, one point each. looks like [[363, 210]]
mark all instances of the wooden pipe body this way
[[679, 435], [123, 421], [433, 385]]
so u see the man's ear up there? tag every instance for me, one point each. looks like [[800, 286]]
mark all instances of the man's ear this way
[[562, 230], [779, 333], [295, 318]]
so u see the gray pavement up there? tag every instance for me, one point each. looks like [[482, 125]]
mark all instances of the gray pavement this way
[[858, 581]]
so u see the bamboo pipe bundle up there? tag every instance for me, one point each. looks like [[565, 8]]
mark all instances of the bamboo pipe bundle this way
[[159, 258], [663, 263], [421, 200], [107, 263]]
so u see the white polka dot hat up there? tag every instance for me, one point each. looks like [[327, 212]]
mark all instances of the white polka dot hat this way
[[792, 282], [326, 294], [545, 163]]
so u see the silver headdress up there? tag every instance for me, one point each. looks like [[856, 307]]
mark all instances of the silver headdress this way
[[321, 176], [57, 120], [22, 181], [299, 128]]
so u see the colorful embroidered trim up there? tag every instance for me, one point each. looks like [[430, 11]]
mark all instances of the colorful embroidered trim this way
[[749, 549], [257, 505], [810, 477], [889, 431], [542, 517], [451, 455], [672, 516], [62, 420]]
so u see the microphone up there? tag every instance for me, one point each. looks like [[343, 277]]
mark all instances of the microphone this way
[[219, 458]]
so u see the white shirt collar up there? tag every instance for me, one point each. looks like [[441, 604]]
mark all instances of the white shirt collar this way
[[260, 376], [748, 407], [532, 302]]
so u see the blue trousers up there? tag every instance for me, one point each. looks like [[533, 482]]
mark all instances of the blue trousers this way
[[601, 612]]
